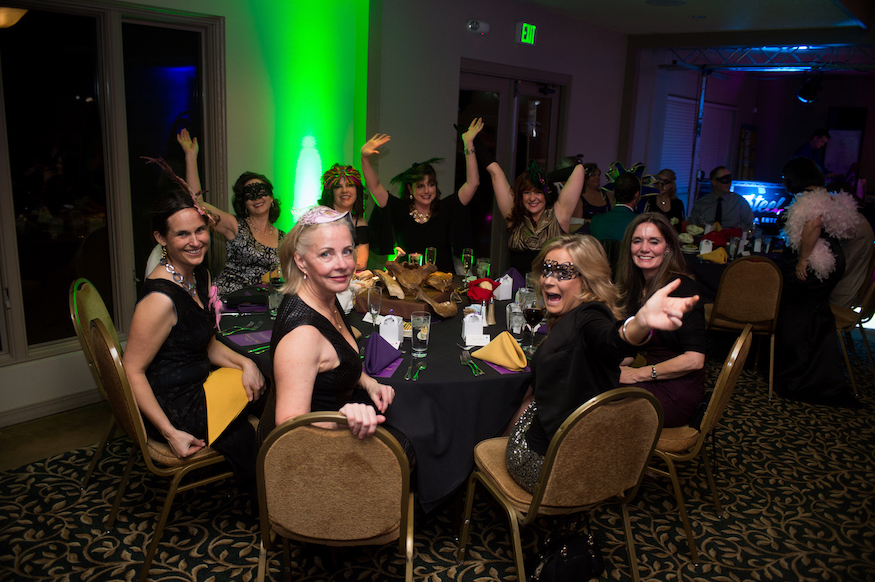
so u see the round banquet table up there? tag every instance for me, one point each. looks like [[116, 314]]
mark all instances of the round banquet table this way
[[446, 411]]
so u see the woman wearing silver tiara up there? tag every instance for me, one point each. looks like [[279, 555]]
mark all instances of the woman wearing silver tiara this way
[[172, 343], [581, 356], [316, 363], [419, 218], [252, 238]]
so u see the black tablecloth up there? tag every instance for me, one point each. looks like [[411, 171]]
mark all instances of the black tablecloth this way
[[447, 411]]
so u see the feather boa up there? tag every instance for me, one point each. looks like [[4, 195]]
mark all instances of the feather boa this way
[[839, 215]]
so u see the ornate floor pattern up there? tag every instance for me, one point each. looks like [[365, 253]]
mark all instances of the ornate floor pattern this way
[[796, 482]]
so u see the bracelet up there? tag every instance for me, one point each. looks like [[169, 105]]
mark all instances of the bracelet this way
[[625, 339], [467, 151]]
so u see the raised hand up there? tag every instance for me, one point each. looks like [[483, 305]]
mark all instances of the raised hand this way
[[473, 129], [373, 145], [189, 145]]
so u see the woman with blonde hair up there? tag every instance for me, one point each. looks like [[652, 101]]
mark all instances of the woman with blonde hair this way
[[666, 202], [582, 353]]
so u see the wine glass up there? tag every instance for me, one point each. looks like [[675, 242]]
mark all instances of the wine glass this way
[[533, 312], [375, 302], [468, 261]]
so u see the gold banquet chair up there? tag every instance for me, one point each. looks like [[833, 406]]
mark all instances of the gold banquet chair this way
[[685, 443], [749, 292], [598, 454], [87, 304], [329, 487], [159, 458], [848, 319]]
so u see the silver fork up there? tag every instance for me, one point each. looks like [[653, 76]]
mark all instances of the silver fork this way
[[469, 361]]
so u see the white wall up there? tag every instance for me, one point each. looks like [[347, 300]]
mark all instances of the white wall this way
[[423, 43]]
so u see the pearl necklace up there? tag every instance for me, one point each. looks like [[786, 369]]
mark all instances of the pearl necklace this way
[[252, 227], [191, 288], [419, 217]]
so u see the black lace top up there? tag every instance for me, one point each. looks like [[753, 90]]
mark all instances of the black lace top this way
[[332, 389], [247, 260]]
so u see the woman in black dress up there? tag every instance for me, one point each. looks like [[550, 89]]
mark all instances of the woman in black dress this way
[[316, 362], [419, 218], [666, 202], [675, 372], [172, 344], [581, 356], [807, 360], [343, 191]]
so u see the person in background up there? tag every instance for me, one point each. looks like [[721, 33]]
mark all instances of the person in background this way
[[612, 225], [675, 372], [592, 200], [815, 150], [721, 204], [343, 191], [581, 356], [807, 362], [533, 212], [252, 238], [418, 218], [666, 202]]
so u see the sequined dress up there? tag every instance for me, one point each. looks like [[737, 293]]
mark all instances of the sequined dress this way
[[247, 260]]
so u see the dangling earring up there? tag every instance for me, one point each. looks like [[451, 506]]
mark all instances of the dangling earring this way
[[305, 276], [666, 254], [163, 252]]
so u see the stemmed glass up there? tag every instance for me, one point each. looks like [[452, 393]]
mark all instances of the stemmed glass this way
[[375, 302], [533, 312], [468, 261]]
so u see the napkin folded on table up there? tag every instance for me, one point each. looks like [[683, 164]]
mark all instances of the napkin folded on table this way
[[716, 256], [518, 280], [504, 351], [378, 354], [226, 398]]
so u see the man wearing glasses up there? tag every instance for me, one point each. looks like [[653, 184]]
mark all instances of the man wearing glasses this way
[[722, 205]]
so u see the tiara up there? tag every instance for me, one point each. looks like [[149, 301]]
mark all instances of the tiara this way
[[318, 215]]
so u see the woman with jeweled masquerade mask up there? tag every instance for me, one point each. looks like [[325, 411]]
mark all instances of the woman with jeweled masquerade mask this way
[[533, 211], [581, 355], [675, 372], [172, 343], [419, 218], [342, 190], [252, 238]]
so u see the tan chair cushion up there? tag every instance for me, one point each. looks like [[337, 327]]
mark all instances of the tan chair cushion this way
[[677, 440], [489, 456], [162, 453]]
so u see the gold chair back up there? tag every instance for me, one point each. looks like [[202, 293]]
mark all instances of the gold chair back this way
[[86, 304], [749, 292]]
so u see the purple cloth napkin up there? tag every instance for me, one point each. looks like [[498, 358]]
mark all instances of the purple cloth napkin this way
[[378, 354], [518, 280], [389, 370], [503, 370], [248, 308], [251, 338]]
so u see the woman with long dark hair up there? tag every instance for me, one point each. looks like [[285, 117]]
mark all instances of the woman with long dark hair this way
[[342, 190]]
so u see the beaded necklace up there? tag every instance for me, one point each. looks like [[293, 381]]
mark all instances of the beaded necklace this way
[[191, 288]]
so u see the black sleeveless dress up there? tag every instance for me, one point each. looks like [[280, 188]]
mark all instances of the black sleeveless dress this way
[[331, 389], [177, 375]]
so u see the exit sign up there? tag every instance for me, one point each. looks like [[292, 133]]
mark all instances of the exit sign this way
[[525, 33]]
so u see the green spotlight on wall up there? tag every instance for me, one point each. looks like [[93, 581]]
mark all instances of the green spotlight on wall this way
[[308, 174]]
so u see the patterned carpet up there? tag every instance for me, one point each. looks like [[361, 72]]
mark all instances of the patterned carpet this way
[[796, 482]]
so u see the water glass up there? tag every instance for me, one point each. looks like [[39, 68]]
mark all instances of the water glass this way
[[482, 267], [515, 319], [430, 256], [733, 246], [375, 303], [420, 329], [273, 302]]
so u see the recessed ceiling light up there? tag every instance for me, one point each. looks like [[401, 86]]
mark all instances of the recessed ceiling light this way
[[666, 2]]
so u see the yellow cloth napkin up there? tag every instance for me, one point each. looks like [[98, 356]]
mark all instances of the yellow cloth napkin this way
[[503, 351], [716, 227], [718, 255], [270, 275], [226, 397]]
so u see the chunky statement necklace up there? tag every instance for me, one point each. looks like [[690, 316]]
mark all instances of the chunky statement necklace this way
[[252, 227], [419, 217], [191, 288]]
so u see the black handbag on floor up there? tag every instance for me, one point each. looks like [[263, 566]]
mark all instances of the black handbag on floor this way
[[569, 558]]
